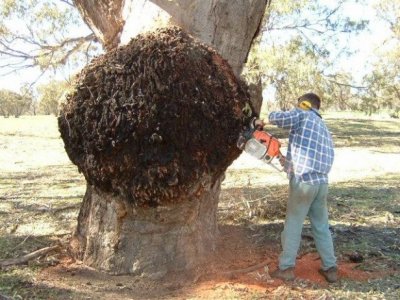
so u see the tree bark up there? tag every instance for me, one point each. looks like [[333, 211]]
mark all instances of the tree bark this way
[[104, 17], [116, 237], [229, 26]]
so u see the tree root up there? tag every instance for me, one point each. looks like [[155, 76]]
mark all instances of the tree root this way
[[24, 259]]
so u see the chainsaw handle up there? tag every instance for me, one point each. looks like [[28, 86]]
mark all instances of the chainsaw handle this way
[[257, 124], [281, 159]]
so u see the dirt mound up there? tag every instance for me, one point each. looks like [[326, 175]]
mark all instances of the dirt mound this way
[[147, 120]]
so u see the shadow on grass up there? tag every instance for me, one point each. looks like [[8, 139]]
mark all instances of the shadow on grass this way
[[239, 246], [379, 247], [12, 246], [382, 242], [363, 127], [365, 133], [19, 281], [372, 196], [18, 284]]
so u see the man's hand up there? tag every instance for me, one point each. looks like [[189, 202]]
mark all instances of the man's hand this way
[[282, 160], [258, 123]]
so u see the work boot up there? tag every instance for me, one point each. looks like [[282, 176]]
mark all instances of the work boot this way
[[330, 274], [286, 275]]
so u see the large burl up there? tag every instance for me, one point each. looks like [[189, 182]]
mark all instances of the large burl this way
[[152, 126]]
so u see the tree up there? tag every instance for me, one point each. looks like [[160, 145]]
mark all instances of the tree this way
[[26, 90], [42, 35], [299, 51], [176, 237], [50, 96], [290, 70], [225, 25], [12, 103], [339, 92], [383, 82], [6, 98]]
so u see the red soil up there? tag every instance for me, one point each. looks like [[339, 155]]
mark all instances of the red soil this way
[[226, 272]]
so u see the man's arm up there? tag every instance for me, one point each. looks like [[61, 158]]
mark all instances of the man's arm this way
[[285, 119]]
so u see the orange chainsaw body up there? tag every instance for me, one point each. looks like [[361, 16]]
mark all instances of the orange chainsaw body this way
[[271, 143]]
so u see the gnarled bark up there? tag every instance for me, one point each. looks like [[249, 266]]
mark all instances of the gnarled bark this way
[[115, 236], [229, 26], [104, 17]]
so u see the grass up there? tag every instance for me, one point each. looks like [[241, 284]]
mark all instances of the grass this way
[[358, 130], [40, 194], [21, 284]]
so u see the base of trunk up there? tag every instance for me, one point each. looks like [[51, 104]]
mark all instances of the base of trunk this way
[[114, 236]]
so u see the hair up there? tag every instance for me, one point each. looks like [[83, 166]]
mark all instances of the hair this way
[[314, 99]]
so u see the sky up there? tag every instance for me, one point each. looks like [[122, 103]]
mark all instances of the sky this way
[[367, 42], [364, 45]]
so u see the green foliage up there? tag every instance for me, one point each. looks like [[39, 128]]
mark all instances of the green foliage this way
[[50, 96], [290, 70], [12, 103], [298, 51], [294, 70], [45, 34], [389, 11], [384, 81]]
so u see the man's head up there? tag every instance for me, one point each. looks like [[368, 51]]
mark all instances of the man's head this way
[[312, 100]]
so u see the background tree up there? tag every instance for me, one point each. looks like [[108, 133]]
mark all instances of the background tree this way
[[298, 52], [44, 35], [383, 82], [12, 103], [51, 95], [6, 98], [339, 93]]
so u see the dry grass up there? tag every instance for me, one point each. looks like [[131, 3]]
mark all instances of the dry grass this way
[[40, 193]]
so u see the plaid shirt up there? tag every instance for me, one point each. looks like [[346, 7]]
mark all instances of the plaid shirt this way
[[310, 152]]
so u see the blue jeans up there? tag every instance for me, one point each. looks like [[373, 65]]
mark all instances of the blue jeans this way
[[305, 199]]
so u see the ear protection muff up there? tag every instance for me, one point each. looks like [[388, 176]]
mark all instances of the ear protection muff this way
[[305, 105]]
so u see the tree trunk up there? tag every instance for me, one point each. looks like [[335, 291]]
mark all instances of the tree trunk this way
[[119, 238], [104, 17], [229, 26], [114, 236]]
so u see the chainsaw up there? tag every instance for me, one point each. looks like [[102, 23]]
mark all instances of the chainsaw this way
[[260, 144]]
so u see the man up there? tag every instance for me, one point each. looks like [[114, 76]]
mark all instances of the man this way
[[308, 162]]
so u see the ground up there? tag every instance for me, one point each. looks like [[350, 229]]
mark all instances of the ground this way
[[40, 194]]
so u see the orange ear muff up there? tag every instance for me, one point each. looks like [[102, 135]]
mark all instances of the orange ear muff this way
[[305, 105]]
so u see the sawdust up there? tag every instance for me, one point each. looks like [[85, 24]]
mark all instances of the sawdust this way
[[236, 250]]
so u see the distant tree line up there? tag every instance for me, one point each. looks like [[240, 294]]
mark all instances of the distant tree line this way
[[13, 104], [45, 101]]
